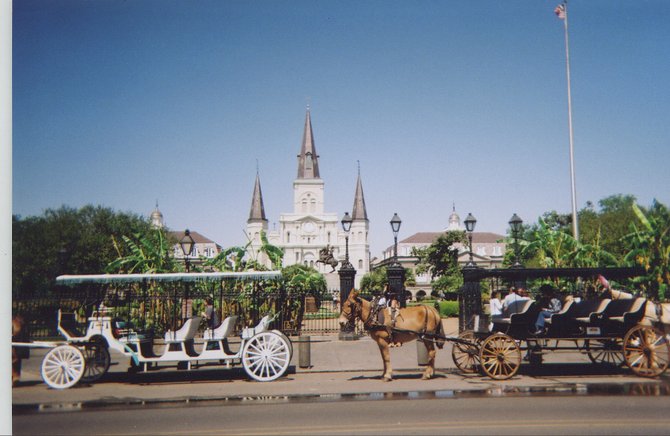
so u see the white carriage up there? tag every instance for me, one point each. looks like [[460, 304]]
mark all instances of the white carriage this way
[[265, 354]]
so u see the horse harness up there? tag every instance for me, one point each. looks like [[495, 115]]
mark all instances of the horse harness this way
[[372, 322]]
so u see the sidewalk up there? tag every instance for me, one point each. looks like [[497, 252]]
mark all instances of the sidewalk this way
[[338, 369]]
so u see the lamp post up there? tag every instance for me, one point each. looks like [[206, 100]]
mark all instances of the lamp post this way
[[470, 298], [470, 223], [186, 243], [347, 274], [395, 226], [515, 224], [395, 273]]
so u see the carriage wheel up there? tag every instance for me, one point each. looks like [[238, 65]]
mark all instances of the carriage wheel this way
[[500, 356], [290, 345], [605, 351], [646, 351], [63, 366], [97, 360], [266, 356], [466, 356]]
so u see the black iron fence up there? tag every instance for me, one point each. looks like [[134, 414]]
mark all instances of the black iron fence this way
[[157, 310]]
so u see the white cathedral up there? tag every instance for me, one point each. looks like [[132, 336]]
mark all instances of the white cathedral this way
[[308, 229]]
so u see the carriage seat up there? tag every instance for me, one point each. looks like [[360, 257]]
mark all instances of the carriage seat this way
[[517, 312], [590, 311], [186, 332], [630, 313], [222, 331], [565, 313], [262, 326], [68, 325]]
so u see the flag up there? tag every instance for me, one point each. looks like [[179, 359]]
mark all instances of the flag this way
[[560, 11]]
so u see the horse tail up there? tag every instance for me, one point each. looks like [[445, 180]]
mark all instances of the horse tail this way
[[439, 331]]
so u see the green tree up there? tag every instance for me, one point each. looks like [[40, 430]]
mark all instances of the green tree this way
[[374, 282], [440, 259], [607, 227], [66, 241], [650, 248]]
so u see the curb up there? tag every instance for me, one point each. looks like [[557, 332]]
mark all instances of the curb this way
[[579, 389]]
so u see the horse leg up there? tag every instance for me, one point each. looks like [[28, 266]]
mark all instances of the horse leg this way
[[383, 345], [16, 367], [429, 372]]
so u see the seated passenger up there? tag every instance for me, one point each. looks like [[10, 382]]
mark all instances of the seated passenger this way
[[549, 304], [513, 296], [210, 314], [496, 308]]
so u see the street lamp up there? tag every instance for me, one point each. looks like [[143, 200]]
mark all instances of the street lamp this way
[[187, 243], [470, 223], [347, 279], [515, 224], [395, 273], [346, 226], [395, 226]]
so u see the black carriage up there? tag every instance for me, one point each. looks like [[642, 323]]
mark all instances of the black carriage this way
[[614, 329]]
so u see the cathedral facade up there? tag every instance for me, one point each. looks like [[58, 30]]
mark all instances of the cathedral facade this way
[[309, 231]]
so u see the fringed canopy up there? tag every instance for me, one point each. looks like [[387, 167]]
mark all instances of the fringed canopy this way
[[71, 280]]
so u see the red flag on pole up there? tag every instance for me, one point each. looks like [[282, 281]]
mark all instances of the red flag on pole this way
[[560, 11]]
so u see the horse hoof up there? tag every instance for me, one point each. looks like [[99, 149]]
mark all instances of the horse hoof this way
[[387, 379]]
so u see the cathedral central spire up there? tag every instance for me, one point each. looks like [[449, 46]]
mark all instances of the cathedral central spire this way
[[308, 160]]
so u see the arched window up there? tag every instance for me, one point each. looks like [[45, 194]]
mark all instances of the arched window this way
[[360, 264]]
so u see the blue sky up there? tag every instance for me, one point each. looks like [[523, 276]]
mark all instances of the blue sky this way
[[122, 103]]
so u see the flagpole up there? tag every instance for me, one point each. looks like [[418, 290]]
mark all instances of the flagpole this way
[[575, 224]]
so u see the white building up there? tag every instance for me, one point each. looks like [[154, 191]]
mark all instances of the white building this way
[[308, 229], [488, 250]]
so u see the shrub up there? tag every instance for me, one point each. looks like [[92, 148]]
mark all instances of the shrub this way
[[448, 308]]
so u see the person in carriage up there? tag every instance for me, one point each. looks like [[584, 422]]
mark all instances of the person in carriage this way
[[550, 305]]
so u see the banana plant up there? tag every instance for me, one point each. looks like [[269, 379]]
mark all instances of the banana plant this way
[[650, 249], [147, 254]]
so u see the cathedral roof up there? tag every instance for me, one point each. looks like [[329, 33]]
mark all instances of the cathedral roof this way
[[430, 237], [257, 212], [156, 217], [308, 160]]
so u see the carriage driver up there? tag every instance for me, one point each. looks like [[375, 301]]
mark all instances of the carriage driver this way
[[393, 302]]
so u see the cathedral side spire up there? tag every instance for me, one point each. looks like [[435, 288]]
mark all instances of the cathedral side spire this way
[[257, 212], [359, 211], [308, 160]]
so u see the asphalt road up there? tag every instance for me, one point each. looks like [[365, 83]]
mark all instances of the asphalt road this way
[[514, 416]]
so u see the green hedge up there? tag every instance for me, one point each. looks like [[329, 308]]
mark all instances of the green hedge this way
[[448, 308]]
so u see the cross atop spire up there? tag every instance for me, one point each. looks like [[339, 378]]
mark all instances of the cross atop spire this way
[[308, 160]]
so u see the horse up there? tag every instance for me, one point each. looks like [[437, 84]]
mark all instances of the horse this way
[[326, 257], [18, 353], [419, 322]]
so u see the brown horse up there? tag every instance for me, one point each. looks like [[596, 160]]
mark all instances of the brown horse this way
[[18, 353], [411, 323]]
